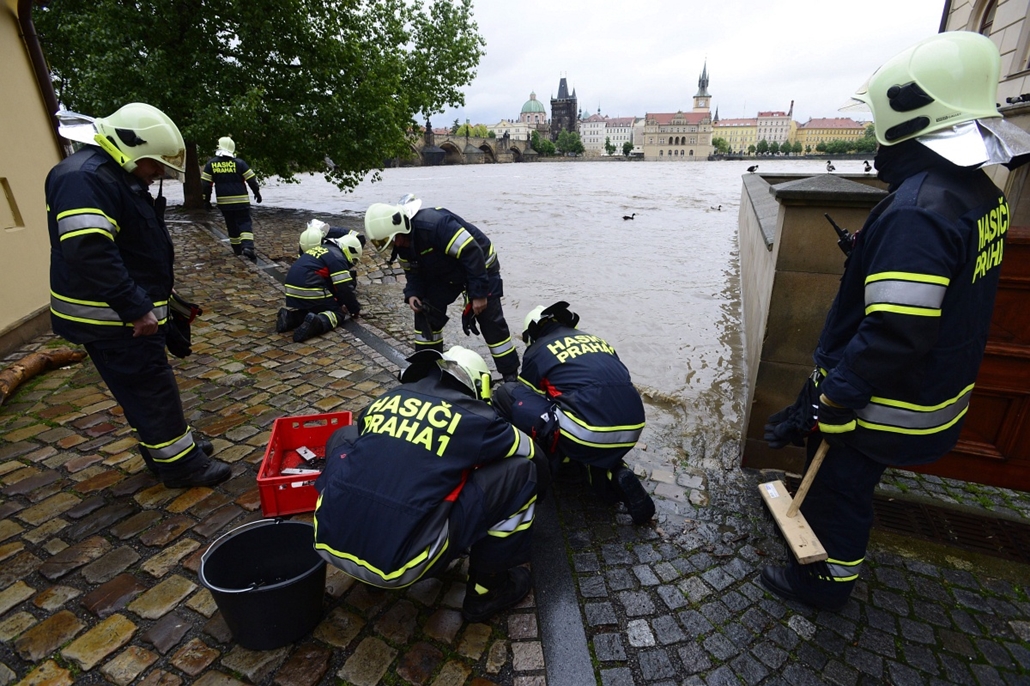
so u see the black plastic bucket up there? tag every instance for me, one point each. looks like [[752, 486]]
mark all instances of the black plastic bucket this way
[[267, 580]]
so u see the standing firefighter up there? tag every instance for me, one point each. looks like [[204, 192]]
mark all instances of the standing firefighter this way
[[111, 279], [444, 256], [428, 471], [231, 176], [320, 284], [576, 399], [898, 355]]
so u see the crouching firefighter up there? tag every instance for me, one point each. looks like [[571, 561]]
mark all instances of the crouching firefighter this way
[[576, 399], [320, 284], [428, 471]]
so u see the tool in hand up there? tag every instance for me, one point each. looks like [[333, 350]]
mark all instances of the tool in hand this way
[[800, 538], [845, 240]]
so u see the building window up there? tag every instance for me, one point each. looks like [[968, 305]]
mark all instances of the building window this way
[[661, 153], [987, 23]]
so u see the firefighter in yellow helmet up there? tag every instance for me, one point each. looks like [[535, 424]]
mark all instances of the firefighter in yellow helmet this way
[[396, 506], [898, 356], [230, 175], [111, 277]]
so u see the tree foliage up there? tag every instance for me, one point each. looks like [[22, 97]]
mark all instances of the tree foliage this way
[[720, 145], [627, 148], [763, 147], [569, 142], [542, 145], [292, 81], [609, 147]]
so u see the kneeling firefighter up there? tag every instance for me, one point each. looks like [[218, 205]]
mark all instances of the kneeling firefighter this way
[[320, 284], [576, 399], [428, 471]]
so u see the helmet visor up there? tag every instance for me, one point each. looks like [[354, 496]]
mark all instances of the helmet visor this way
[[382, 244]]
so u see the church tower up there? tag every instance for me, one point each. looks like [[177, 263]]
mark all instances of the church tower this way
[[703, 100], [564, 111]]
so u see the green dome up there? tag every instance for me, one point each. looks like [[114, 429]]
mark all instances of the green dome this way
[[533, 105]]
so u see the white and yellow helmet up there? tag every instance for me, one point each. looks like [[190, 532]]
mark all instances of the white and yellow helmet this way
[[468, 367], [313, 234], [945, 80], [383, 221], [226, 147], [350, 244], [134, 132]]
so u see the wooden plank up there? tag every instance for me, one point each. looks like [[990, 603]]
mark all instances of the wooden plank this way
[[801, 540]]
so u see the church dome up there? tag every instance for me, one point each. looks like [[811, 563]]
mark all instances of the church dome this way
[[533, 105]]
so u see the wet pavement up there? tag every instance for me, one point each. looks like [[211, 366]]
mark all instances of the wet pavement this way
[[99, 562]]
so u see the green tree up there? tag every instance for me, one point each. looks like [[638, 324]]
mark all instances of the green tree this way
[[454, 128], [774, 148], [291, 81], [609, 147], [797, 147], [808, 149], [569, 142], [542, 145], [720, 145], [820, 146], [751, 149], [763, 146], [627, 148]]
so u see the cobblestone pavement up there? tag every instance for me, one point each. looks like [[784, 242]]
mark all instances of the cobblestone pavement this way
[[98, 562]]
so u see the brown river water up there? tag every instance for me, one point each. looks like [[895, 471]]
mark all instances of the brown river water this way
[[662, 288]]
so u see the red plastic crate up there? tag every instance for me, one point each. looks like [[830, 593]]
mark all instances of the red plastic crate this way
[[292, 493]]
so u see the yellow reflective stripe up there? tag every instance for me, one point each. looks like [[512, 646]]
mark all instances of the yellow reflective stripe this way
[[501, 349], [204, 176], [837, 428], [172, 450], [598, 436], [85, 220], [520, 521], [491, 257], [902, 309], [307, 293], [908, 276], [341, 277], [247, 236], [463, 237], [233, 199], [844, 571], [519, 445], [332, 317], [96, 312], [884, 414], [249, 174]]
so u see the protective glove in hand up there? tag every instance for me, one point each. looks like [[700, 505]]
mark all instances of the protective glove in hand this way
[[257, 196], [178, 336], [834, 421], [793, 424], [468, 320]]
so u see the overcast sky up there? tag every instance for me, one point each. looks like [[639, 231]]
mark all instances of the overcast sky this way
[[630, 58]]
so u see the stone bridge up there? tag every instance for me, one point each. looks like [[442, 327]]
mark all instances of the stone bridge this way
[[436, 150]]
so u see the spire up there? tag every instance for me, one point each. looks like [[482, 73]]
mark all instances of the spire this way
[[716, 120], [790, 114], [702, 83], [563, 89]]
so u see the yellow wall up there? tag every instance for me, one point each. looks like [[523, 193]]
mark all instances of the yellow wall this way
[[28, 150]]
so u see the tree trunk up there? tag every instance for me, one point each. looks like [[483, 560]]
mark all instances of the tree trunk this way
[[193, 198], [33, 364]]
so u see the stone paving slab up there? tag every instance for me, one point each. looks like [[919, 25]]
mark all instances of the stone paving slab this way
[[98, 562]]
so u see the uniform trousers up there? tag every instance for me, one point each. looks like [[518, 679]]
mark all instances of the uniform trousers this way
[[137, 372], [239, 226]]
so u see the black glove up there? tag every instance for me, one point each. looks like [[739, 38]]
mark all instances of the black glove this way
[[835, 421], [178, 336], [257, 196], [468, 320], [793, 424]]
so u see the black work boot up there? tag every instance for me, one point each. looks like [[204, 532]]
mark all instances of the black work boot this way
[[282, 320], [250, 254], [206, 446], [488, 594], [632, 493], [206, 474], [313, 325], [800, 583]]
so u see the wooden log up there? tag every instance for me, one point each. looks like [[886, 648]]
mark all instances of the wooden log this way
[[33, 364]]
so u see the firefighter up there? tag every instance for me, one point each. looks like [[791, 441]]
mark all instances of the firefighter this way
[[576, 399], [231, 175], [428, 471], [320, 284], [899, 352], [111, 278], [444, 256]]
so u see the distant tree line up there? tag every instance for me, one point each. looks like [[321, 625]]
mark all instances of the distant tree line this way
[[867, 143]]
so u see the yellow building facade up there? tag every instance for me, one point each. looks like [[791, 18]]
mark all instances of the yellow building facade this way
[[681, 136], [816, 131]]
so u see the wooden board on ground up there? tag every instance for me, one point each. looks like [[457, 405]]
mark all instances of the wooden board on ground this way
[[801, 540]]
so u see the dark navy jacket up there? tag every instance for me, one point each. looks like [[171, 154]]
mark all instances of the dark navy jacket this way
[[583, 375], [447, 249], [905, 336], [110, 254], [320, 279], [229, 176], [391, 478]]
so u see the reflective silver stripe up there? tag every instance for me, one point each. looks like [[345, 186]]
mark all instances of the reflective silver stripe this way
[[233, 199], [844, 571], [204, 176], [882, 414], [362, 571], [247, 236], [172, 450], [331, 316], [249, 174], [307, 293], [519, 521], [342, 277], [92, 312], [500, 349], [66, 223], [905, 293], [522, 446], [432, 339], [491, 258], [593, 436], [459, 241]]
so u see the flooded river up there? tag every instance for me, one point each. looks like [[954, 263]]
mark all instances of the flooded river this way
[[663, 288]]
